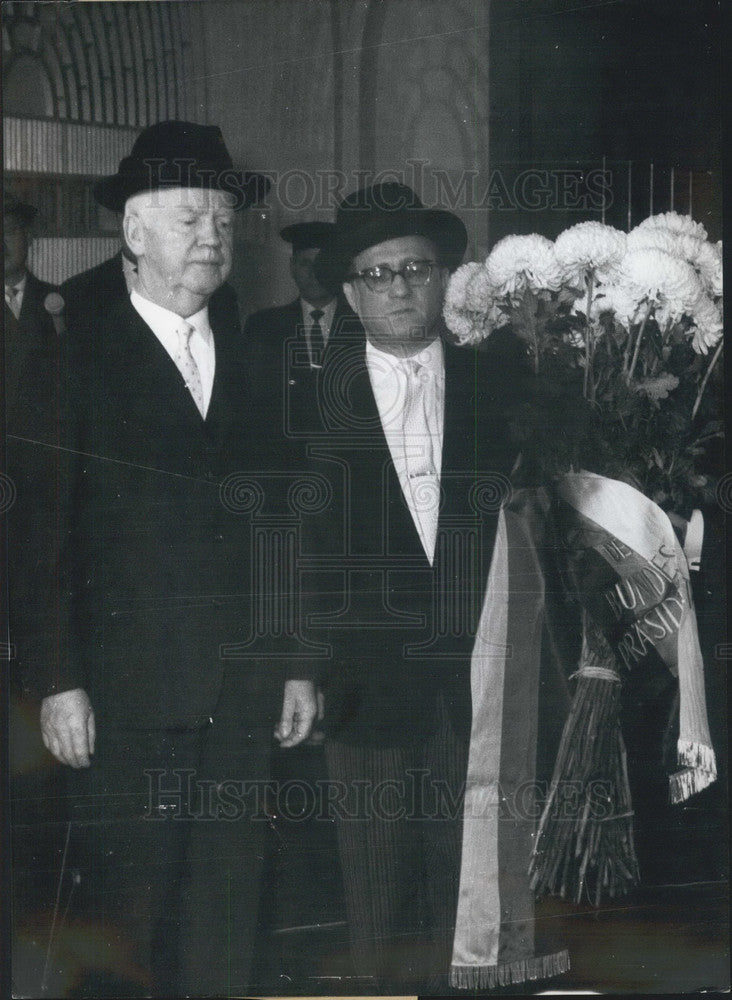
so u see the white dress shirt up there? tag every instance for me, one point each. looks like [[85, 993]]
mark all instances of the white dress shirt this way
[[420, 484], [326, 322], [165, 325]]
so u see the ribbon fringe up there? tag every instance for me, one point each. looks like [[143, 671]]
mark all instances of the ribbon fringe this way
[[691, 753], [699, 770], [488, 977], [684, 784]]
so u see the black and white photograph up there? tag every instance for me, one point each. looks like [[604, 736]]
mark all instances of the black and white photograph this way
[[363, 499]]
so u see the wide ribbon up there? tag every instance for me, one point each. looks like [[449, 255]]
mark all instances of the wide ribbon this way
[[632, 578], [494, 942], [643, 602]]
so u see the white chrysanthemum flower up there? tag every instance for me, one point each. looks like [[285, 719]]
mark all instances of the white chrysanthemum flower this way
[[708, 265], [626, 302], [469, 308], [471, 328], [589, 247], [643, 238], [456, 295], [467, 327], [704, 257], [681, 225], [662, 278], [708, 325], [517, 262], [479, 291]]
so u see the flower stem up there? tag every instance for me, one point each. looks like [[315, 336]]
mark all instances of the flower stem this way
[[702, 387], [638, 343], [588, 330]]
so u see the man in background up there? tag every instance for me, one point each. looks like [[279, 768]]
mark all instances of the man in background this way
[[288, 344], [28, 323], [90, 294]]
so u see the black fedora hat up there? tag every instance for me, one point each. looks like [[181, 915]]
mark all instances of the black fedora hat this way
[[179, 154], [13, 207], [308, 235], [383, 212]]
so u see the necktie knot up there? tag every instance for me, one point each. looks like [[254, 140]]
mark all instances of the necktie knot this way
[[316, 315], [416, 371]]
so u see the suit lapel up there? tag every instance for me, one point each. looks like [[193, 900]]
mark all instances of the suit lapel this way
[[474, 467], [11, 323], [155, 373], [232, 392]]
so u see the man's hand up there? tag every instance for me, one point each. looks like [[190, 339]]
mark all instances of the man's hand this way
[[67, 727], [299, 712]]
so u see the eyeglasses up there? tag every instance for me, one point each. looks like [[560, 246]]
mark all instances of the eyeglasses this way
[[415, 273]]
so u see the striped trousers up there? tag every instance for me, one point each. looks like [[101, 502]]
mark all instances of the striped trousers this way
[[399, 827]]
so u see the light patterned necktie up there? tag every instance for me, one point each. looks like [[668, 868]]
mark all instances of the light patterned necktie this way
[[187, 365], [415, 426], [423, 485]]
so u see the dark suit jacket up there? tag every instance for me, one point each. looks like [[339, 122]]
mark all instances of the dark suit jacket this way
[[28, 341], [400, 632], [24, 337], [284, 384], [152, 569], [90, 295]]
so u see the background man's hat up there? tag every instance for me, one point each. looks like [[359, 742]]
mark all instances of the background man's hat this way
[[308, 235], [179, 154], [384, 212], [15, 208]]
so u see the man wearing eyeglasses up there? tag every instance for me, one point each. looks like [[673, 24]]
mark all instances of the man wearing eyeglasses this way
[[416, 454]]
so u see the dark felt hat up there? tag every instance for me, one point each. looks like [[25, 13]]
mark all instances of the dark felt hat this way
[[179, 154], [308, 235], [383, 212], [15, 208]]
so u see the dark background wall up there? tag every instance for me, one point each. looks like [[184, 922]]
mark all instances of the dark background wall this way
[[635, 81]]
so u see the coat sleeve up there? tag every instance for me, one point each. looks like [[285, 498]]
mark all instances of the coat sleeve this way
[[49, 470]]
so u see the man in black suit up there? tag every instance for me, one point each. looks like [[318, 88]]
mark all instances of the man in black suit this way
[[166, 738], [288, 344], [27, 322], [415, 453]]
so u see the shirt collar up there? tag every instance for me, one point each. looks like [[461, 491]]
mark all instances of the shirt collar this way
[[328, 312], [430, 357], [158, 318], [19, 286]]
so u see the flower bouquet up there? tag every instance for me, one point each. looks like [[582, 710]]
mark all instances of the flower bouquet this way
[[624, 335]]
